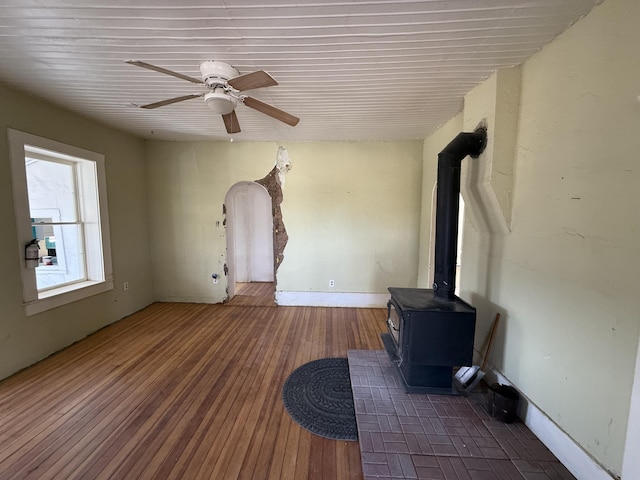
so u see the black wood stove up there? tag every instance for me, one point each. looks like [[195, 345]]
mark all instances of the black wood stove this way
[[431, 331]]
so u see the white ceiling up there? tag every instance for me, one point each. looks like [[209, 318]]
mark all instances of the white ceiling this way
[[351, 70]]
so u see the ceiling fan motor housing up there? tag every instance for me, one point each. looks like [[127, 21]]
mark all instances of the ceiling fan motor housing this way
[[216, 73]]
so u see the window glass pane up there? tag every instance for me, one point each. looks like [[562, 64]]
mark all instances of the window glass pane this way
[[52, 185], [65, 262]]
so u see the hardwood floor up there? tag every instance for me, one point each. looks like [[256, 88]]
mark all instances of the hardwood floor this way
[[181, 391], [254, 294]]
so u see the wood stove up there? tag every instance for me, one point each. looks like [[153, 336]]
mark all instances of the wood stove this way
[[428, 337], [430, 331]]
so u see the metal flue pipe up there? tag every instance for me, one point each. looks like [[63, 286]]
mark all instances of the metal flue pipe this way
[[447, 207]]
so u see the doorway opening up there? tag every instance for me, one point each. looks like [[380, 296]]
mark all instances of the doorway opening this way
[[250, 252]]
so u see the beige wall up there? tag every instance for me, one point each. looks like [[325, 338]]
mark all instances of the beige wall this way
[[350, 209], [352, 212], [25, 340], [188, 182], [566, 277]]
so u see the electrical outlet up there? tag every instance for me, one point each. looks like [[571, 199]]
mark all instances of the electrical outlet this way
[[332, 283], [125, 286]]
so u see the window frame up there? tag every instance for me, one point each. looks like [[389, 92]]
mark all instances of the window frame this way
[[99, 270]]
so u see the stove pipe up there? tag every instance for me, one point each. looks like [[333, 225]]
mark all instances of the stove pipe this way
[[447, 207]]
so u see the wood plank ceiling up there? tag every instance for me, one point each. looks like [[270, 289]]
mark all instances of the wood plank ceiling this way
[[351, 70]]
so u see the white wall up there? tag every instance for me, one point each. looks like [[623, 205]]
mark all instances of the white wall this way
[[565, 278]]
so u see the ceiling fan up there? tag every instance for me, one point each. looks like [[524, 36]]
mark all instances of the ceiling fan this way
[[225, 84]]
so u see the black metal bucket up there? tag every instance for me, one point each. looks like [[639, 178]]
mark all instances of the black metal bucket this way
[[503, 402]]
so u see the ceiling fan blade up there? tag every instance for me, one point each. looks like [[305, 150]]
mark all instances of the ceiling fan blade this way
[[165, 71], [271, 111], [252, 80], [231, 122], [162, 103]]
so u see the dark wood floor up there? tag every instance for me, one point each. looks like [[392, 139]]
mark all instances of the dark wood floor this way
[[181, 391]]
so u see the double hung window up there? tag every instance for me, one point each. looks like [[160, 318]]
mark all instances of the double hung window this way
[[60, 202]]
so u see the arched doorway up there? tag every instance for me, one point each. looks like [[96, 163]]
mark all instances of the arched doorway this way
[[249, 228]]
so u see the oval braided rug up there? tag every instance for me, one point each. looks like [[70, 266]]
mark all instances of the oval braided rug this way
[[318, 397]]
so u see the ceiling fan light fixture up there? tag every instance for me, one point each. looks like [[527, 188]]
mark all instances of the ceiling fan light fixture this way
[[220, 102]]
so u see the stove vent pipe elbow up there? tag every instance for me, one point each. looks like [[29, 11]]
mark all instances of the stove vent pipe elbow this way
[[447, 207]]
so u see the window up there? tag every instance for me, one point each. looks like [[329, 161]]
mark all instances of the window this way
[[60, 200]]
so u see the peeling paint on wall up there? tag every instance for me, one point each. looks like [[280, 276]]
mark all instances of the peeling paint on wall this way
[[280, 238]]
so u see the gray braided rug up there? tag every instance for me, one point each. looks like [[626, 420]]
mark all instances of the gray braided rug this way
[[318, 397]]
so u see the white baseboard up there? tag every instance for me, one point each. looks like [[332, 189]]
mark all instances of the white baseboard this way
[[327, 299], [572, 455]]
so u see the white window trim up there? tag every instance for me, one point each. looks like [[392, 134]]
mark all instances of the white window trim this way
[[32, 301]]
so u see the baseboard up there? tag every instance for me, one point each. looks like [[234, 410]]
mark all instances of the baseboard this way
[[327, 299], [572, 455]]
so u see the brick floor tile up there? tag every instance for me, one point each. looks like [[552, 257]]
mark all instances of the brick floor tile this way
[[437, 425], [486, 442], [452, 422], [488, 452], [424, 461], [413, 428], [381, 394], [394, 423], [453, 468], [425, 410], [430, 473], [456, 430], [393, 460], [418, 444], [367, 418], [374, 457], [405, 408], [364, 440], [409, 420], [527, 466], [376, 469], [376, 442], [396, 447], [443, 409], [556, 471], [477, 428], [492, 470], [445, 450], [365, 407], [463, 411], [361, 392], [476, 464], [438, 437], [407, 466], [384, 407], [466, 447]]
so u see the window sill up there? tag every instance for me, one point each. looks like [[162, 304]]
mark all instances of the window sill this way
[[67, 294]]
